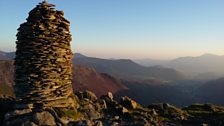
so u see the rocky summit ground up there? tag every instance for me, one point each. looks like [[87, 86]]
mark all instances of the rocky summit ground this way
[[105, 111]]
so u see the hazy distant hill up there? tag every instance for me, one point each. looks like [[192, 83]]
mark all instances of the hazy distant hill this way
[[152, 62], [79, 55], [6, 55], [123, 68], [126, 68], [207, 63], [204, 67]]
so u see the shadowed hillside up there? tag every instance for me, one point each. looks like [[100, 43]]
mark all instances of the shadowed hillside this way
[[211, 92], [6, 77], [85, 78]]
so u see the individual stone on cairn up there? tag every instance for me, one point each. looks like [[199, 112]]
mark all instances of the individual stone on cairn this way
[[43, 66]]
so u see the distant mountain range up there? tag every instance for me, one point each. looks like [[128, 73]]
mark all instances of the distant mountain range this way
[[123, 68], [127, 69], [126, 78], [6, 55], [204, 67], [143, 91]]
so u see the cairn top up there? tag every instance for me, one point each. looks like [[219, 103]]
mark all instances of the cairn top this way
[[45, 3]]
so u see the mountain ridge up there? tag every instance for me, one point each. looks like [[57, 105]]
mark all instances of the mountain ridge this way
[[122, 68], [194, 67]]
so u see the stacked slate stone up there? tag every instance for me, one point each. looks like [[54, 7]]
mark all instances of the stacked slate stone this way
[[43, 66]]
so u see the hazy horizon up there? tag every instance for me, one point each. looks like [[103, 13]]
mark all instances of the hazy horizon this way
[[138, 58], [130, 29]]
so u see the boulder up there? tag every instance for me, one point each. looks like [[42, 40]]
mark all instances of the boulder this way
[[123, 110], [44, 118], [108, 97], [98, 123], [87, 95], [128, 103], [90, 111]]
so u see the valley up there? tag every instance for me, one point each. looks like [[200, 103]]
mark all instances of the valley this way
[[147, 85]]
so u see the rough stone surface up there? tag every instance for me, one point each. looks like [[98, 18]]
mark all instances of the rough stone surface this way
[[17, 113], [31, 118], [128, 103], [44, 118], [110, 95], [89, 104], [87, 95], [93, 113], [43, 66]]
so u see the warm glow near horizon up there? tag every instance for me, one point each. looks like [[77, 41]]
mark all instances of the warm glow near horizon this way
[[154, 56]]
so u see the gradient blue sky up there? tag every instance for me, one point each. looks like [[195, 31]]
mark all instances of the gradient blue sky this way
[[159, 29]]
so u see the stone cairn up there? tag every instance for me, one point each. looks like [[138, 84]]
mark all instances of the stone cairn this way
[[43, 63]]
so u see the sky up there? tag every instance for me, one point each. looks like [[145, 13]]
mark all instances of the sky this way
[[136, 29]]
